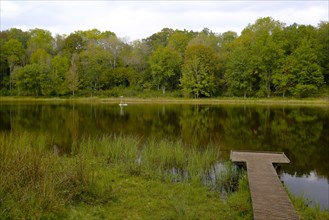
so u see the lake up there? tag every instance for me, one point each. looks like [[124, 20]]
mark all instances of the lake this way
[[302, 133]]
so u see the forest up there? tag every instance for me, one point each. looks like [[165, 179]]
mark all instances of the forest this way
[[267, 59]]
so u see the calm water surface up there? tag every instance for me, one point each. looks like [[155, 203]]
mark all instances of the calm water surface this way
[[302, 133]]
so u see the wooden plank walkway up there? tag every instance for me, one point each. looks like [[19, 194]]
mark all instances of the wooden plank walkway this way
[[269, 198]]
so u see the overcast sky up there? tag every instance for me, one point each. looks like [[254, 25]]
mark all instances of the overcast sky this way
[[141, 19]]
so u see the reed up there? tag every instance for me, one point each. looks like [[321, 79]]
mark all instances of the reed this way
[[114, 151], [25, 179], [306, 210], [118, 174], [35, 183], [163, 155], [201, 162]]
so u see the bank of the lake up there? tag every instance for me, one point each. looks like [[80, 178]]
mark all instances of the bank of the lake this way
[[121, 177], [170, 100]]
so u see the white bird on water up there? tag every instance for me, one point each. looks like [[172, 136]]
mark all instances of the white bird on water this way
[[121, 102]]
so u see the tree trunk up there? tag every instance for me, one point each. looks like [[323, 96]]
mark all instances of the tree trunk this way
[[268, 84], [11, 69], [10, 82], [163, 90]]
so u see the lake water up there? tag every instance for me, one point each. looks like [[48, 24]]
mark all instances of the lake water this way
[[302, 133]]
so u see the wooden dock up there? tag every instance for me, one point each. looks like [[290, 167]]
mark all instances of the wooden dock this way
[[269, 198]]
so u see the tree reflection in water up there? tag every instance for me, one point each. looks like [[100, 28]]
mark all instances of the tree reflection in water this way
[[300, 132]]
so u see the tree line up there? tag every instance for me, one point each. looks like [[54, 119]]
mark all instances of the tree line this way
[[267, 59]]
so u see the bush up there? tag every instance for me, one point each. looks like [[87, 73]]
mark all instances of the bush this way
[[305, 90]]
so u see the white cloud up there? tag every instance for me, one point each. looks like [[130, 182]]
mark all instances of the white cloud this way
[[140, 19]]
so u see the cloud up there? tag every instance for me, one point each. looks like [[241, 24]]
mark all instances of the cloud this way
[[140, 19]]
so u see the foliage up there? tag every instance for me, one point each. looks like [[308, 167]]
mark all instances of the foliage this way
[[73, 43], [308, 71], [33, 79], [14, 48], [238, 75], [39, 39], [268, 58], [40, 56], [199, 71], [93, 63], [13, 52], [323, 41], [165, 65], [59, 69], [72, 80]]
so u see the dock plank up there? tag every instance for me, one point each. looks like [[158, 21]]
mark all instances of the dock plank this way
[[269, 198]]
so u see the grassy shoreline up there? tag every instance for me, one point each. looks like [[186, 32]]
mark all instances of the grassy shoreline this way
[[113, 177], [169, 100]]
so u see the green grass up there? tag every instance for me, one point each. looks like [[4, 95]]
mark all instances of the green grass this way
[[121, 177], [321, 101], [306, 211]]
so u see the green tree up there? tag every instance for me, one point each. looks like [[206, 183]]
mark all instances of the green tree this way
[[94, 62], [165, 67], [46, 80], [94, 34], [284, 76], [13, 51], [226, 43], [18, 34], [179, 40], [206, 37], [265, 51], [40, 56], [323, 42], [73, 43], [227, 38], [40, 39], [160, 38], [307, 70], [59, 44], [119, 77], [299, 70], [59, 69], [238, 74], [199, 70], [138, 56], [72, 79], [113, 46], [33, 79]]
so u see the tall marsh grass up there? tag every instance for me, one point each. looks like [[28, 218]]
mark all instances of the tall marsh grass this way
[[38, 183], [166, 160], [35, 179]]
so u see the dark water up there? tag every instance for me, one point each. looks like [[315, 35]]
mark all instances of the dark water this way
[[302, 133]]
